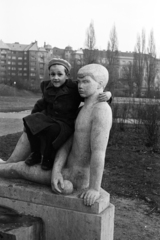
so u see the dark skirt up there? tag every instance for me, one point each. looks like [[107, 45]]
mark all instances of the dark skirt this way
[[37, 122]]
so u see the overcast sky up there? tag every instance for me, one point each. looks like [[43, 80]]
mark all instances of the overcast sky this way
[[64, 22]]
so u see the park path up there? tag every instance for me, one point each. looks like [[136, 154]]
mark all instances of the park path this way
[[11, 122]]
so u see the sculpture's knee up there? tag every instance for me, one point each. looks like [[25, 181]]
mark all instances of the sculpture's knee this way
[[21, 151]]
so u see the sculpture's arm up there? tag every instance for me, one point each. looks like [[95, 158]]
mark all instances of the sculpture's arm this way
[[59, 162], [101, 125]]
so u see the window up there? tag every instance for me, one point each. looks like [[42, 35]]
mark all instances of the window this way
[[25, 63], [33, 63], [33, 58], [41, 65], [3, 73], [24, 68], [25, 52], [13, 68], [9, 57], [32, 74], [13, 63], [25, 58], [19, 69], [3, 61], [13, 57], [19, 74], [3, 52], [13, 74], [3, 68], [32, 69], [20, 58], [9, 68], [24, 74], [19, 63]]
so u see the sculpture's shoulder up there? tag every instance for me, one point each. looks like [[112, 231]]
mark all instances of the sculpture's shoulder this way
[[102, 114], [102, 108]]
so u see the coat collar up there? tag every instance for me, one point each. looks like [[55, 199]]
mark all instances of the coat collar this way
[[51, 90]]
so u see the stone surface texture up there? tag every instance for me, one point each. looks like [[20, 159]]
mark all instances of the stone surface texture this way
[[20, 227], [64, 217]]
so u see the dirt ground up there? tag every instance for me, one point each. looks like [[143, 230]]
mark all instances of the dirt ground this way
[[132, 177]]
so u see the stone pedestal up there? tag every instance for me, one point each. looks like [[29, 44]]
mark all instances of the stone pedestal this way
[[64, 217], [17, 227]]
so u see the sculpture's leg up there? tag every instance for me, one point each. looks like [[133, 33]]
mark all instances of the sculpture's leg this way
[[21, 151], [20, 170]]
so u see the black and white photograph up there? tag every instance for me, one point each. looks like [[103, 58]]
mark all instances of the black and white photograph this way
[[80, 119]]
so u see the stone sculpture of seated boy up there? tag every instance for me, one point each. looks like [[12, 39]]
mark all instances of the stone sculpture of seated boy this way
[[81, 159]]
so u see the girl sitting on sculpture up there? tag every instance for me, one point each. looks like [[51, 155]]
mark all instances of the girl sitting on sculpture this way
[[51, 121]]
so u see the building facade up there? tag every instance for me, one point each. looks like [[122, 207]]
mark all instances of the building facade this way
[[26, 65], [23, 65]]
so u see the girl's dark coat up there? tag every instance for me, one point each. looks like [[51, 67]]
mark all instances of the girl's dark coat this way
[[57, 105]]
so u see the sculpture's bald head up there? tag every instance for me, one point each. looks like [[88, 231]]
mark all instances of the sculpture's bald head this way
[[96, 71]]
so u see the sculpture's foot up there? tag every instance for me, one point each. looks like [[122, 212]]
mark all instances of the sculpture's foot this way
[[20, 170]]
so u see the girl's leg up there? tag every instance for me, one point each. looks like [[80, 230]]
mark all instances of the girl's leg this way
[[47, 136], [35, 156]]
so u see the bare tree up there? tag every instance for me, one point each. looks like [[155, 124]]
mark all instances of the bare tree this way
[[113, 58], [139, 62], [151, 70], [128, 75], [90, 53]]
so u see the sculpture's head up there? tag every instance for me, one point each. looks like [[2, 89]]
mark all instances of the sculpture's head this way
[[96, 71]]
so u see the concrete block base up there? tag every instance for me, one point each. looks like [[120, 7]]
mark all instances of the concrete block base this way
[[64, 217], [17, 227]]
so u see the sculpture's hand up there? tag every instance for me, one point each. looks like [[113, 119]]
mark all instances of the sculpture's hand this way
[[57, 182], [104, 97], [90, 196]]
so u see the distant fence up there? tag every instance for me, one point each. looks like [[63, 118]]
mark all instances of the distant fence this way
[[135, 100]]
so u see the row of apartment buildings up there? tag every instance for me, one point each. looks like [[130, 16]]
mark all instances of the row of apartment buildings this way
[[27, 64]]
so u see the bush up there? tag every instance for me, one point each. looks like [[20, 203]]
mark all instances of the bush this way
[[150, 116], [145, 119]]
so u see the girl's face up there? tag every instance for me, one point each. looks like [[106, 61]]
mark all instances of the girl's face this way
[[57, 75]]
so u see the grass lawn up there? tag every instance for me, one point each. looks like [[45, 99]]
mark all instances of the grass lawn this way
[[132, 177], [15, 100], [17, 104]]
